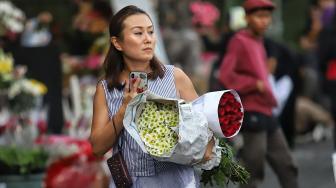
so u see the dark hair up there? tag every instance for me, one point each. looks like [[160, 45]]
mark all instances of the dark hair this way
[[114, 63], [103, 8]]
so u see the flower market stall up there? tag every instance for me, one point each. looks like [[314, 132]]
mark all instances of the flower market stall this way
[[28, 155]]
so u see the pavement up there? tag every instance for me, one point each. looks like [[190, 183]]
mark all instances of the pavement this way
[[315, 166]]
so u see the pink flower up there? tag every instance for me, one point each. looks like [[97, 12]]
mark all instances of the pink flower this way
[[204, 13], [93, 62]]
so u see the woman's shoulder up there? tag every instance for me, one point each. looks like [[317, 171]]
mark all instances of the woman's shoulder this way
[[102, 84], [168, 67], [179, 74], [100, 91], [167, 70], [176, 72]]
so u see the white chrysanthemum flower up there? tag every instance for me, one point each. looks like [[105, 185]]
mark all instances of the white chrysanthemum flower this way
[[18, 14], [31, 87], [15, 89], [15, 26], [6, 7]]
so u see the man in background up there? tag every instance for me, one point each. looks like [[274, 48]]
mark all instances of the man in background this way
[[244, 68]]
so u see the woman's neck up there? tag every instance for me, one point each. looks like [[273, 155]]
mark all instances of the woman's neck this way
[[137, 66]]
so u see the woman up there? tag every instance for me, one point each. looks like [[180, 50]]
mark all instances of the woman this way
[[132, 49]]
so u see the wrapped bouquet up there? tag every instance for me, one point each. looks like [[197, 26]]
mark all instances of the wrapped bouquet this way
[[176, 131], [223, 110]]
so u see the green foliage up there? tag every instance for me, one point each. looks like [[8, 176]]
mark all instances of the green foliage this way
[[27, 160], [228, 169], [22, 102], [5, 81]]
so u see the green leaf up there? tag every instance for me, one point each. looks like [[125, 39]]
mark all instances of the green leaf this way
[[228, 170], [26, 159]]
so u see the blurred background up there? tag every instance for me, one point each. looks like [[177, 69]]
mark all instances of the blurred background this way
[[51, 53]]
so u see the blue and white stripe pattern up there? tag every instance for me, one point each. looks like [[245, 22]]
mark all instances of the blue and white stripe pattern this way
[[138, 162]]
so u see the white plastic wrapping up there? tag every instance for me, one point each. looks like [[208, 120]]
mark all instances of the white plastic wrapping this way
[[193, 132]]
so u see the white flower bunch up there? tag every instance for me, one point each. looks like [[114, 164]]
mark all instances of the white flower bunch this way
[[11, 18], [155, 124], [60, 150], [28, 86]]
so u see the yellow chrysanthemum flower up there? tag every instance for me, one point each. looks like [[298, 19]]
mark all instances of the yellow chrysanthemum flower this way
[[41, 88], [6, 65]]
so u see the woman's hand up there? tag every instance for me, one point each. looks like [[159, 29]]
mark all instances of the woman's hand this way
[[208, 152], [130, 90]]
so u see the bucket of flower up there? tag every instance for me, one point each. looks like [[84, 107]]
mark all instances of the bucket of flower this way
[[22, 161], [178, 131]]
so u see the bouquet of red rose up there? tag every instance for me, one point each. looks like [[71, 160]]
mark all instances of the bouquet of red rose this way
[[223, 110]]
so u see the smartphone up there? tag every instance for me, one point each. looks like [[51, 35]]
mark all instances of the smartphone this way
[[143, 85]]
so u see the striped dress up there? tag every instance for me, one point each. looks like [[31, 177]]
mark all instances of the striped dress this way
[[146, 171]]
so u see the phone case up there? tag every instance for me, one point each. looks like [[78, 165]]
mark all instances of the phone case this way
[[143, 83]]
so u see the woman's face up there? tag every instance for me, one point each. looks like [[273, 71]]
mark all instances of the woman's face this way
[[138, 40]]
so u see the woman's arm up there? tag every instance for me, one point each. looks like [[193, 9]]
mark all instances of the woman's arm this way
[[103, 135], [105, 131], [184, 86]]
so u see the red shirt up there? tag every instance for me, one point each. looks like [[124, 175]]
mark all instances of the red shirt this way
[[244, 64]]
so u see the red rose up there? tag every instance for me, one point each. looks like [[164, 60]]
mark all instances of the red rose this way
[[228, 108], [230, 131], [223, 121], [42, 126], [221, 112]]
